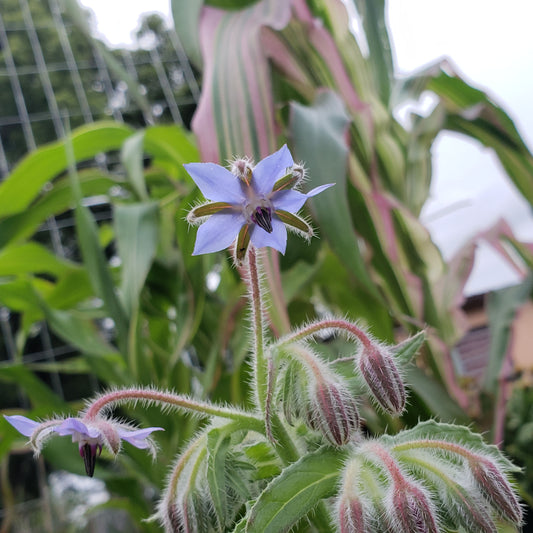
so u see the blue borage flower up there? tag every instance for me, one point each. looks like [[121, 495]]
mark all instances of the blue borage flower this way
[[249, 204], [91, 435]]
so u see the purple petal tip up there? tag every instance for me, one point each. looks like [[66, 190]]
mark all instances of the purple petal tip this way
[[22, 424]]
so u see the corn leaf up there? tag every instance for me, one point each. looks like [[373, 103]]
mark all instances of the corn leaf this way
[[235, 115], [23, 185]]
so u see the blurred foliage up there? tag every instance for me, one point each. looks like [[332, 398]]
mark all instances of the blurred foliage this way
[[519, 436], [336, 107], [139, 102]]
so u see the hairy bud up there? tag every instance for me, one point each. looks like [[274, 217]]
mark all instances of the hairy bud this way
[[354, 508], [311, 391], [496, 489], [351, 516], [411, 510], [379, 370], [333, 411]]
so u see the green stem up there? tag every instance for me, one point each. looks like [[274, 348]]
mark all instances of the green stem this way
[[284, 444], [348, 328], [175, 400], [258, 329]]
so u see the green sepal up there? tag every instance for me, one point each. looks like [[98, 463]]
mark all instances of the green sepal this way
[[286, 182], [295, 221], [243, 240], [205, 210]]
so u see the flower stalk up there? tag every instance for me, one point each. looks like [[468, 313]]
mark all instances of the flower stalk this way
[[153, 396], [258, 329]]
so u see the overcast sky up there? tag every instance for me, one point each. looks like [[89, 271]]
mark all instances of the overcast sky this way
[[491, 44]]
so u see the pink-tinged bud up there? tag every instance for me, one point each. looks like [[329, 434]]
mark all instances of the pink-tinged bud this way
[[334, 412], [496, 489], [379, 370], [351, 516], [242, 168], [411, 510], [355, 512]]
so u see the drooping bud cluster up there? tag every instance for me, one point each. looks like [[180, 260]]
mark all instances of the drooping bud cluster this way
[[321, 397], [187, 506], [211, 481], [496, 489], [354, 503], [426, 480], [375, 362], [410, 509]]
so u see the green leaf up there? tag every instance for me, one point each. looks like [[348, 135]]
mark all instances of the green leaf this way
[[23, 185], [170, 144], [56, 201], [471, 112], [433, 395], [31, 258], [319, 140], [78, 331], [99, 273], [372, 13], [40, 395], [502, 307], [186, 16], [406, 350], [218, 442], [137, 235], [290, 496], [132, 156]]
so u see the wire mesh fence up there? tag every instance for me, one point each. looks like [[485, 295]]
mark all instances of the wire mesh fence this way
[[52, 73]]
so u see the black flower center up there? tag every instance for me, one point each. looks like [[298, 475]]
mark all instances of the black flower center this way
[[89, 453], [262, 216]]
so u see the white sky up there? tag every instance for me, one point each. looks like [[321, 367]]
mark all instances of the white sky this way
[[491, 43]]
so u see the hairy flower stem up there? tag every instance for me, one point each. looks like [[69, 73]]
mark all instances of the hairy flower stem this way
[[343, 325], [258, 329], [175, 400], [437, 444], [284, 445]]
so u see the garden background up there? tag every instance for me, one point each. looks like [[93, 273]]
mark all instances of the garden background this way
[[98, 287]]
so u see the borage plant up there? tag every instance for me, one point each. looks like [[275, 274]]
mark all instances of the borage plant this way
[[300, 458]]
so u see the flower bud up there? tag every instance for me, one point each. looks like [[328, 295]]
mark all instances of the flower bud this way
[[496, 489], [355, 511], [333, 411], [379, 370], [351, 516], [311, 391], [411, 510], [242, 168]]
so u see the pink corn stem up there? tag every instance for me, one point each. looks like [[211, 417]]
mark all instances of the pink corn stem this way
[[278, 311]]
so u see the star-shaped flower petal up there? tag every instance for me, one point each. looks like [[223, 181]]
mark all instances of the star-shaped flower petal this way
[[249, 204], [22, 424], [91, 435]]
